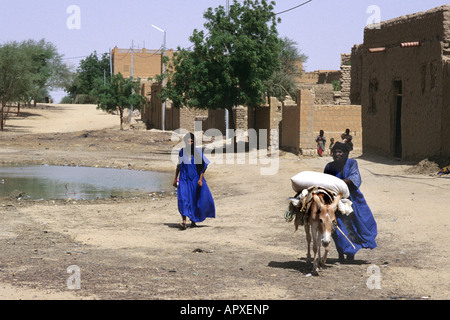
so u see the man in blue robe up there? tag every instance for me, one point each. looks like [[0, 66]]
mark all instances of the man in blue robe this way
[[360, 226], [194, 197]]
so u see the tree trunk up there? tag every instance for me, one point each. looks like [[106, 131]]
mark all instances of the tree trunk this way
[[121, 117], [232, 126], [231, 122], [1, 126]]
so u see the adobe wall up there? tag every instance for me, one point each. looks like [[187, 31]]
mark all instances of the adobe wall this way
[[301, 124], [184, 118], [324, 93], [146, 63], [332, 119], [318, 77], [421, 72], [445, 145], [290, 133], [266, 117]]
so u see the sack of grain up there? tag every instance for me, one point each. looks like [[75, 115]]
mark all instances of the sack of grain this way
[[306, 179]]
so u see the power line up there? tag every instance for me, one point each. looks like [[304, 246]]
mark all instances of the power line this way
[[284, 11], [71, 58], [75, 58], [151, 53], [297, 6], [302, 4]]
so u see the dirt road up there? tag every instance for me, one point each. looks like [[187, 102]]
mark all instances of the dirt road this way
[[132, 248]]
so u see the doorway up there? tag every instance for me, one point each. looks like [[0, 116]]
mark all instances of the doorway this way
[[398, 90]]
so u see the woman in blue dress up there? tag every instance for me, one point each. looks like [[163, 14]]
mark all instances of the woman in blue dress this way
[[194, 197], [360, 226]]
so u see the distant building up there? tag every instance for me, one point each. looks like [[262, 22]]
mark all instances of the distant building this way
[[400, 75], [144, 63]]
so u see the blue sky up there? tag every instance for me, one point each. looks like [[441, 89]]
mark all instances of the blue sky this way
[[323, 29]]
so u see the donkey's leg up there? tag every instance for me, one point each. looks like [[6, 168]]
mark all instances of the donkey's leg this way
[[314, 232], [308, 241]]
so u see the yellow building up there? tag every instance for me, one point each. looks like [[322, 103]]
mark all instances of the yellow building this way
[[144, 63]]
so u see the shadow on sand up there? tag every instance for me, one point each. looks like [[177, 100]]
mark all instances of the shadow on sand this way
[[305, 267]]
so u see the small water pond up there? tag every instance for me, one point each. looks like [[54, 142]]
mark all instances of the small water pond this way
[[86, 183]]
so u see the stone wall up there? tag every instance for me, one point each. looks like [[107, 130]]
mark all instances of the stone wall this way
[[345, 79]]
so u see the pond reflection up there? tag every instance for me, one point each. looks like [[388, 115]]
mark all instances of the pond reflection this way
[[62, 182]]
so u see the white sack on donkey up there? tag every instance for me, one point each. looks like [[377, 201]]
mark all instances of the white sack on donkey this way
[[307, 179], [318, 197]]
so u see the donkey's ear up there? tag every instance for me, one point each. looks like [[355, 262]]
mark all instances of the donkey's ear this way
[[318, 200], [336, 200]]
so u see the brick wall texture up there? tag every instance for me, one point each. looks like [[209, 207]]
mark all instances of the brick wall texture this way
[[144, 62], [301, 124], [298, 124]]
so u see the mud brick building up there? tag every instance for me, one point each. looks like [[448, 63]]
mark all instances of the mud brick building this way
[[400, 75], [144, 62]]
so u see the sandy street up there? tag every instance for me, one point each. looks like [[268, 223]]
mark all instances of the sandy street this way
[[132, 248]]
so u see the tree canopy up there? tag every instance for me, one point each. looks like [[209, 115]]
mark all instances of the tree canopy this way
[[88, 72], [229, 64], [15, 72], [282, 81], [29, 68], [118, 93]]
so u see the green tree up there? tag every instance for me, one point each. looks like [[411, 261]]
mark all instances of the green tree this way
[[66, 100], [90, 70], [28, 70], [230, 63], [47, 66], [282, 81], [15, 74], [118, 93]]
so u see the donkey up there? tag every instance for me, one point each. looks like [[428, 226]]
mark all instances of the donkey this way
[[319, 223]]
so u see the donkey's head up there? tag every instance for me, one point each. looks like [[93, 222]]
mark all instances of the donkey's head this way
[[326, 216]]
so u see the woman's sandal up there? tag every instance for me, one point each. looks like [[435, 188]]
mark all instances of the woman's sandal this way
[[183, 226]]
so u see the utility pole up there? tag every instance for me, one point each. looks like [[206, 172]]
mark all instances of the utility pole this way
[[110, 63], [131, 76], [164, 76], [227, 116]]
